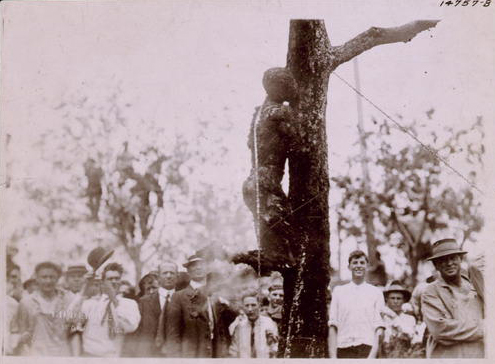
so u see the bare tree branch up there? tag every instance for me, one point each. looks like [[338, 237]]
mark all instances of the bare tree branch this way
[[376, 36], [403, 230], [426, 209]]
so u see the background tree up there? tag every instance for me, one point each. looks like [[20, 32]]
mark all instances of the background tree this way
[[411, 197], [142, 187], [120, 193]]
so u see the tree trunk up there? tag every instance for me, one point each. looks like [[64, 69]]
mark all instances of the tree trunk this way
[[310, 60], [305, 304]]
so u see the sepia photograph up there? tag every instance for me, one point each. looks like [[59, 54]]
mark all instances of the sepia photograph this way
[[247, 179]]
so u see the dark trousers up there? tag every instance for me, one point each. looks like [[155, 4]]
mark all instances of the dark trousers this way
[[360, 351]]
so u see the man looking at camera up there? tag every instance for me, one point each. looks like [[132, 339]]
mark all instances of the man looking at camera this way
[[107, 316], [355, 321], [452, 307], [150, 337], [42, 315]]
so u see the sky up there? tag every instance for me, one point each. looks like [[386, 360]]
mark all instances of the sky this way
[[180, 61]]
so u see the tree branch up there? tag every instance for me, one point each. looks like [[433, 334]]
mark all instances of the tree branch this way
[[403, 230], [377, 36], [426, 210]]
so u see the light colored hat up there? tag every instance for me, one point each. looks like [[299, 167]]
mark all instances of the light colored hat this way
[[192, 259], [444, 247], [397, 287], [77, 269]]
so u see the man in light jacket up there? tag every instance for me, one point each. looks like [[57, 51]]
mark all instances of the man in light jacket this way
[[253, 335], [452, 307]]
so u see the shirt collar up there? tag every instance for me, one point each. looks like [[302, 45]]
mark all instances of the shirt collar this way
[[164, 292], [364, 284], [197, 285], [442, 282]]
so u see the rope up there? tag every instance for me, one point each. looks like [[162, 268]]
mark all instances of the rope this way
[[257, 193], [406, 131]]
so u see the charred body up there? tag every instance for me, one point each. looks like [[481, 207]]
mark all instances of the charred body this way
[[275, 124]]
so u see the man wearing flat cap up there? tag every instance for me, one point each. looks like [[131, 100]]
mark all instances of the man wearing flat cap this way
[[197, 321], [75, 277], [452, 308]]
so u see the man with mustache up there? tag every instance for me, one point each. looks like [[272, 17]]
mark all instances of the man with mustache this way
[[198, 320], [355, 320], [452, 307]]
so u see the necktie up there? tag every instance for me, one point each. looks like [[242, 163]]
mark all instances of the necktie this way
[[112, 331], [211, 319], [253, 346], [160, 335]]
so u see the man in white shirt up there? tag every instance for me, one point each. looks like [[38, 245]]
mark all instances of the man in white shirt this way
[[108, 317], [355, 321]]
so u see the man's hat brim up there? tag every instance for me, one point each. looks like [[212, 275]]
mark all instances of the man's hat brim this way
[[191, 261], [445, 253], [405, 292]]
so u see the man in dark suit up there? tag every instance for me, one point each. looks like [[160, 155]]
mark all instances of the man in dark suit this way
[[150, 337], [198, 319]]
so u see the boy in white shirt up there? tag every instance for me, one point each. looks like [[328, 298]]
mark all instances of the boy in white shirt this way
[[355, 320]]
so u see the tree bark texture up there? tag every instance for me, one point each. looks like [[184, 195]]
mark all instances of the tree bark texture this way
[[297, 132], [305, 303]]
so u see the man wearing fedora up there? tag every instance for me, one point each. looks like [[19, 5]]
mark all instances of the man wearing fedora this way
[[150, 337], [400, 327], [452, 308], [198, 320]]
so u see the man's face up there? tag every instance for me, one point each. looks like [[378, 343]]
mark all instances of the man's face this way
[[32, 287], [276, 297], [113, 277], [150, 285], [395, 301], [168, 276], [47, 279], [15, 277], [197, 270], [251, 307], [75, 281], [358, 267], [449, 266]]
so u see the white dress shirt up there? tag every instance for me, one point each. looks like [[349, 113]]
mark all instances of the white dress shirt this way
[[355, 312], [197, 285], [163, 293], [95, 338]]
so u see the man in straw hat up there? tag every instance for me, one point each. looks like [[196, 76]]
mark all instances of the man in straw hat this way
[[198, 321], [75, 277], [400, 327], [452, 308]]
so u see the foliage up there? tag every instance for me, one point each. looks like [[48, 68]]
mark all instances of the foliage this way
[[128, 184], [412, 196]]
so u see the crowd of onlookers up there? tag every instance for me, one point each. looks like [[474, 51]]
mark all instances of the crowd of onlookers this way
[[199, 313]]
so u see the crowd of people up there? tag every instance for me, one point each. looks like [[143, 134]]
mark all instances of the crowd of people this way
[[201, 314]]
